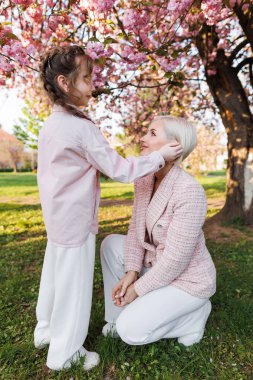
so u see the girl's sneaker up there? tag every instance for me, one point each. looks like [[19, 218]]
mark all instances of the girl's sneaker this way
[[91, 359], [41, 341]]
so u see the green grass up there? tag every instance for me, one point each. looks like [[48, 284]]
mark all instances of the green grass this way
[[225, 353]]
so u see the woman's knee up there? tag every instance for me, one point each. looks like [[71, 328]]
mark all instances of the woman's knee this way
[[111, 245], [130, 332]]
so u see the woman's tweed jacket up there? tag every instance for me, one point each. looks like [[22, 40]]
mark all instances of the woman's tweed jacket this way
[[166, 233]]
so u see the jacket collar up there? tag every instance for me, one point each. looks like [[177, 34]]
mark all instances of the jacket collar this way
[[59, 108]]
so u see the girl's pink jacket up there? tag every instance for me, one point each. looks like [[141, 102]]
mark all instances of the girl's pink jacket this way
[[71, 152], [166, 233]]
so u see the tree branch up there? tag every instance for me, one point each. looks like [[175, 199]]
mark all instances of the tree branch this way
[[100, 91], [246, 61], [251, 74], [13, 60], [236, 50]]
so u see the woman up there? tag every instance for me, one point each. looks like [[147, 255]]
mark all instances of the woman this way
[[158, 279]]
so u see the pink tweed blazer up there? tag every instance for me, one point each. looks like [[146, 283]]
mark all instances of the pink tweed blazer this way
[[165, 233]]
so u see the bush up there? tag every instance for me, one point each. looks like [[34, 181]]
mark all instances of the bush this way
[[24, 170], [6, 170]]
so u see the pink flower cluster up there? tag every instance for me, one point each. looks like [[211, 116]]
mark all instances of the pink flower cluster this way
[[135, 20], [5, 65], [35, 14], [168, 65], [98, 77], [129, 54], [25, 3], [17, 52], [97, 50], [55, 20], [214, 11], [100, 6], [179, 6]]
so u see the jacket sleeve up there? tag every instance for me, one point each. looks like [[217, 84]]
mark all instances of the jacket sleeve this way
[[105, 159], [133, 250], [182, 237]]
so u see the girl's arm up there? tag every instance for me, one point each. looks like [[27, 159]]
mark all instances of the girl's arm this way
[[133, 250], [100, 154], [182, 236]]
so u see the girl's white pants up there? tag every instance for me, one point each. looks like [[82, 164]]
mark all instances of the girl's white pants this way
[[167, 312], [64, 302]]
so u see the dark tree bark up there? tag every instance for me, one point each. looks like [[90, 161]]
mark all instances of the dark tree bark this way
[[245, 19], [232, 102]]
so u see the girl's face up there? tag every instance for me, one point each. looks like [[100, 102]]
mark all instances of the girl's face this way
[[154, 139], [81, 92]]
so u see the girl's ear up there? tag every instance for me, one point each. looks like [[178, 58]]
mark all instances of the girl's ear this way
[[63, 83]]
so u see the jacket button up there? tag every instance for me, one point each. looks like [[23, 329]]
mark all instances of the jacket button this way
[[160, 166]]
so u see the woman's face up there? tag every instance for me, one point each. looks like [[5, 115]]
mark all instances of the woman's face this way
[[154, 139]]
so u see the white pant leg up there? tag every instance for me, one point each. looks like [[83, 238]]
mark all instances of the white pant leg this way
[[74, 268], [112, 248], [167, 312], [46, 297]]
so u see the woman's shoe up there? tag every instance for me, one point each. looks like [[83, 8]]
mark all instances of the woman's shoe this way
[[189, 340], [110, 330]]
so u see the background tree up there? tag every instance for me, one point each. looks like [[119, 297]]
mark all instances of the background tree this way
[[28, 127], [16, 154]]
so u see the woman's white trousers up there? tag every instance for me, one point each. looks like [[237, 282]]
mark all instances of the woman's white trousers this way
[[64, 302], [167, 312]]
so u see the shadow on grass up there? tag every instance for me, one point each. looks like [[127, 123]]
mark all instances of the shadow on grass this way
[[18, 207], [126, 195]]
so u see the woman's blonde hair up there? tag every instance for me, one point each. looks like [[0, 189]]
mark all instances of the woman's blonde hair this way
[[180, 129]]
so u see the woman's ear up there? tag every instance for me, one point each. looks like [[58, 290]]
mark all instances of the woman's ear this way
[[63, 83]]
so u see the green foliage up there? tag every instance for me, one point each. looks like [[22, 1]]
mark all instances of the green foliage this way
[[225, 352], [27, 130]]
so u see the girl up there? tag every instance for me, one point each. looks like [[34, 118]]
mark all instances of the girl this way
[[71, 152]]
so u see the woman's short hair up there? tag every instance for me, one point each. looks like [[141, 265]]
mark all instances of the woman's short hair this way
[[180, 129]]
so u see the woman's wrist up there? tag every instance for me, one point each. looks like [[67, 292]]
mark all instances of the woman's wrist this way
[[133, 273]]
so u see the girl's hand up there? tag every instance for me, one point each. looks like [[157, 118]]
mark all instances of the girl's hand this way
[[171, 151], [129, 296], [120, 288]]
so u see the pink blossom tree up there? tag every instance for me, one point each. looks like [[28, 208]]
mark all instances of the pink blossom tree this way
[[193, 54]]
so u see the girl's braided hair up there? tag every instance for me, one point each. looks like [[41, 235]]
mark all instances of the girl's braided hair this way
[[61, 61]]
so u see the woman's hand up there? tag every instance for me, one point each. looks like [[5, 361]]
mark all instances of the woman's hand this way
[[129, 296], [121, 287]]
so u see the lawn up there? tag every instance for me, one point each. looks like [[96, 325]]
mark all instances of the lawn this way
[[226, 352]]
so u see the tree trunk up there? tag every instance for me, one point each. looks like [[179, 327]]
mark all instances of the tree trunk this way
[[231, 100]]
